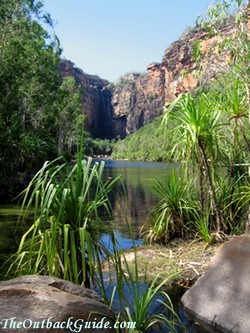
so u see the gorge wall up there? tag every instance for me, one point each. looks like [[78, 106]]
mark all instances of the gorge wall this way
[[96, 100], [137, 99], [115, 110]]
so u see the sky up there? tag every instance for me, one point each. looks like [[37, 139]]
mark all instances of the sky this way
[[111, 38]]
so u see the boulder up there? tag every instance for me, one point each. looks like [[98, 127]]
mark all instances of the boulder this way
[[48, 305], [220, 300]]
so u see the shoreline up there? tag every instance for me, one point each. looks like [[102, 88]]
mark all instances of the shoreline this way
[[187, 257]]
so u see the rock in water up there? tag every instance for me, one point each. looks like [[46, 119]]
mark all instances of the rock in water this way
[[48, 305], [220, 299]]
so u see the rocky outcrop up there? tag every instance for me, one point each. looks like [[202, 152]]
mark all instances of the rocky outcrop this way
[[220, 299], [96, 100], [49, 305], [137, 99]]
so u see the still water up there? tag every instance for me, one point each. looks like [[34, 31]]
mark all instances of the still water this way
[[134, 207]]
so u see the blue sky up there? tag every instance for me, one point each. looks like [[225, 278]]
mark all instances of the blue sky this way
[[113, 37]]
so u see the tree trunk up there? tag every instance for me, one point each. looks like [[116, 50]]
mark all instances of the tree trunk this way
[[60, 143], [211, 185], [201, 185]]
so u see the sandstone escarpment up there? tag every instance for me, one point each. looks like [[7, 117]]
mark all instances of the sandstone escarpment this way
[[96, 100], [137, 99], [115, 110]]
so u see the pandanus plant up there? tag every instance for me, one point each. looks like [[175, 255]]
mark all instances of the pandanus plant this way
[[64, 238], [170, 216], [200, 131]]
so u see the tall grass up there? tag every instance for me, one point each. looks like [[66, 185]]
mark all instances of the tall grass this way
[[64, 238], [145, 304]]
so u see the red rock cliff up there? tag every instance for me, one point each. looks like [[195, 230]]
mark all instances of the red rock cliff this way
[[137, 99], [96, 100]]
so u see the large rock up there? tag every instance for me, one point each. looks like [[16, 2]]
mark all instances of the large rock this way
[[220, 299], [48, 305], [138, 99]]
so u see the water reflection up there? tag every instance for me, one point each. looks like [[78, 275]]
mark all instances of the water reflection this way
[[10, 234], [135, 206], [132, 208]]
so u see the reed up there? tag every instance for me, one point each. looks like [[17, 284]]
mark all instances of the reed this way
[[145, 304]]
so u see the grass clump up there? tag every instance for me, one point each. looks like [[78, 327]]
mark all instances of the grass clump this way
[[174, 210], [64, 238]]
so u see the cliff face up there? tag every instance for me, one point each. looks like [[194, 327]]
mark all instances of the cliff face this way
[[113, 111], [137, 99], [96, 100]]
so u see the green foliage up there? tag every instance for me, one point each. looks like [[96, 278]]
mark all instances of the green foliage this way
[[147, 305], [64, 239], [148, 143], [198, 126], [68, 106], [29, 83], [200, 130], [200, 226], [38, 110], [234, 103], [236, 45], [146, 297], [175, 210], [97, 147]]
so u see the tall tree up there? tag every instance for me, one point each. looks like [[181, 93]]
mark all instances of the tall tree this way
[[236, 90], [233, 97], [29, 83], [235, 45]]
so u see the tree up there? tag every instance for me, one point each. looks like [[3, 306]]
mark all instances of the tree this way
[[237, 47], [29, 84], [199, 131], [69, 109]]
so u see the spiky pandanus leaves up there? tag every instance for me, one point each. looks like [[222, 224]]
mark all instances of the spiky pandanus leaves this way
[[200, 131], [174, 210], [64, 239]]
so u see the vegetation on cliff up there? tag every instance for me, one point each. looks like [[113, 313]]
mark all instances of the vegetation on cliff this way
[[146, 144]]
